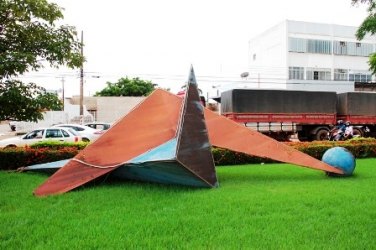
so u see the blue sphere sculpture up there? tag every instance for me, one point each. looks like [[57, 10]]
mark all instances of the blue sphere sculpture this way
[[341, 158]]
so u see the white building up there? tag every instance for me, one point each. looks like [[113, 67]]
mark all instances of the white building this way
[[309, 56]]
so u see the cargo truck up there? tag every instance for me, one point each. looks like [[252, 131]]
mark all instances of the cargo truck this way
[[309, 115]]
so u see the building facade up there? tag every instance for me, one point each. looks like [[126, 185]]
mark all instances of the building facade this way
[[310, 56]]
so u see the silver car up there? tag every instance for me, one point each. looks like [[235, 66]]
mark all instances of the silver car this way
[[42, 134], [88, 134]]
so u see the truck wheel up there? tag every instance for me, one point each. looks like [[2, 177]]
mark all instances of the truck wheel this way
[[302, 136], [321, 135], [357, 132]]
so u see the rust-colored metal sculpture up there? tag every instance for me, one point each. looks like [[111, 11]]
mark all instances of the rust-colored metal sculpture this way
[[167, 139]]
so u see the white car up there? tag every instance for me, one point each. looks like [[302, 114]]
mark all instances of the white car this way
[[87, 133], [99, 125], [42, 134]]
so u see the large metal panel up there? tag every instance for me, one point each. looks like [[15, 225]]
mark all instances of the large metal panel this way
[[277, 101], [151, 128], [147, 140], [143, 129], [357, 103], [224, 133], [194, 149]]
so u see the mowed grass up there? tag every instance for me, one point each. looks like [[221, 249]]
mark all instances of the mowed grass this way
[[271, 206]]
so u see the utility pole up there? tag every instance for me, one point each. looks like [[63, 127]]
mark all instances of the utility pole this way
[[62, 91], [82, 77]]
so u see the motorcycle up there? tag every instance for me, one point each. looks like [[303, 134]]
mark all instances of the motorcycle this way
[[336, 134]]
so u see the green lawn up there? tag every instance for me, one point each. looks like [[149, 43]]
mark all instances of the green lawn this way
[[271, 206]]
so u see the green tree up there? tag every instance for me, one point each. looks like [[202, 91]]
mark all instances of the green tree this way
[[368, 26], [14, 95], [30, 36], [127, 87]]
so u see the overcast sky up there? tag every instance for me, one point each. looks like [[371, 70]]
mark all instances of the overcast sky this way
[[160, 39]]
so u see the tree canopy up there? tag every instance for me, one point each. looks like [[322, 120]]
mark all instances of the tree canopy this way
[[127, 87], [29, 37], [368, 26]]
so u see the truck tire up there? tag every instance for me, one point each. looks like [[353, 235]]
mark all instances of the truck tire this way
[[302, 136], [321, 135]]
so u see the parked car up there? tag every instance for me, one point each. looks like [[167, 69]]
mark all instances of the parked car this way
[[87, 133], [42, 134], [99, 125]]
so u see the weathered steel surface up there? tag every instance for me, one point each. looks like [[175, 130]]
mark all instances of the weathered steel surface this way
[[194, 149], [142, 145], [225, 133], [149, 125], [278, 101], [164, 140]]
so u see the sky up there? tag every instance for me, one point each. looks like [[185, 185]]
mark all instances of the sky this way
[[159, 40]]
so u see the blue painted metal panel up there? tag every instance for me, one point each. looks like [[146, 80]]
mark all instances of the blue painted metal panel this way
[[49, 167], [161, 172], [164, 152]]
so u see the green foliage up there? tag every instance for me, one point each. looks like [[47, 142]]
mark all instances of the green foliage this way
[[29, 35], [371, 3], [41, 152], [59, 145], [127, 87], [368, 26], [224, 157], [359, 147], [273, 206], [25, 102], [14, 158], [372, 63]]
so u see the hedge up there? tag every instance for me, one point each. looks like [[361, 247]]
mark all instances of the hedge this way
[[13, 158], [41, 152], [359, 147]]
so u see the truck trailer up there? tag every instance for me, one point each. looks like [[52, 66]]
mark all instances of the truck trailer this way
[[308, 114]]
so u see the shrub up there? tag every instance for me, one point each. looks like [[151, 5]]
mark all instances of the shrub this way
[[41, 152], [227, 157], [360, 148], [13, 158], [59, 145]]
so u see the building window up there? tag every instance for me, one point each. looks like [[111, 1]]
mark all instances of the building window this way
[[318, 74], [297, 45], [352, 49], [360, 77], [315, 75], [319, 46], [341, 75], [339, 48], [310, 46], [296, 73]]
